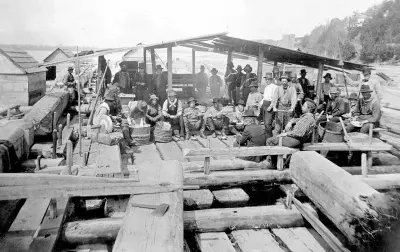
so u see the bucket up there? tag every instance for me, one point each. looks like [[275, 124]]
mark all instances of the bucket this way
[[330, 132], [140, 134]]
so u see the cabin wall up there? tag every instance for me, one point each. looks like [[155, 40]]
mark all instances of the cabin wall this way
[[36, 86], [14, 89], [7, 67]]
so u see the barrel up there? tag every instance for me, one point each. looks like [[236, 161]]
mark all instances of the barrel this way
[[330, 132], [140, 134]]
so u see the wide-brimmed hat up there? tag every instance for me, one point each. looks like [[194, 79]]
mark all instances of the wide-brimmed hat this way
[[303, 71], [268, 76], [171, 92], [284, 76], [153, 97], [70, 68], [216, 100], [191, 99], [239, 67], [328, 75], [249, 113], [214, 70], [248, 67], [314, 105], [159, 67], [353, 96], [110, 96], [253, 84], [142, 65], [241, 102], [365, 89], [142, 105], [366, 70], [334, 90]]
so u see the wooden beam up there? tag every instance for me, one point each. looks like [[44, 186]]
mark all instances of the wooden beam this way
[[229, 58], [145, 60], [382, 181], [224, 165], [153, 60], [137, 232], [351, 146], [254, 240], [194, 66], [381, 169], [260, 64], [238, 152], [319, 80], [169, 61]]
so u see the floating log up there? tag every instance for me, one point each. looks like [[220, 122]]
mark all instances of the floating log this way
[[224, 165], [210, 220], [234, 197], [238, 152], [339, 195]]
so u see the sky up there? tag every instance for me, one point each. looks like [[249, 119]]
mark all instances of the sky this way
[[118, 23]]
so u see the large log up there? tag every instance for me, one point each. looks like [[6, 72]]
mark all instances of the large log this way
[[210, 220], [391, 120], [224, 165], [392, 139], [339, 195], [237, 151], [382, 182]]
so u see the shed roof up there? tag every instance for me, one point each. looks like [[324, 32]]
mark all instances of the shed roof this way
[[64, 51], [22, 60]]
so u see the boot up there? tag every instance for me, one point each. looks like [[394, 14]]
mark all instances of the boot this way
[[214, 135], [202, 134], [223, 135], [187, 137]]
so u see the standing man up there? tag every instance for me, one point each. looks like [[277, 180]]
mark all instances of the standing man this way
[[215, 83], [124, 80], [215, 119], [284, 100], [246, 81], [193, 119], [266, 109], [305, 83], [326, 87], [229, 78], [159, 84], [141, 84], [70, 85], [172, 112], [374, 86], [300, 95], [201, 81], [254, 99], [238, 82]]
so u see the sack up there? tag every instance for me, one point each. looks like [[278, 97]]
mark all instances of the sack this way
[[162, 136]]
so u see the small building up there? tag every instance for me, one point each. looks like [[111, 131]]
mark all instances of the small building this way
[[58, 55], [22, 81]]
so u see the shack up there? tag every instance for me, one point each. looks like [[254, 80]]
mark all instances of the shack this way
[[22, 81], [57, 55]]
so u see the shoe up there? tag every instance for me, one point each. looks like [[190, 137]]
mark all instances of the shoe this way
[[223, 136], [187, 136], [214, 135], [193, 138], [202, 134]]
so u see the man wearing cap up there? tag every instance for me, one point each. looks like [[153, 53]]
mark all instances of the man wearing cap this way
[[299, 130], [326, 87], [124, 80], [254, 99], [215, 83], [238, 82], [201, 81], [141, 84], [335, 108], [159, 84], [247, 79], [284, 100], [172, 112], [236, 125], [374, 86], [193, 119], [367, 111], [305, 83], [253, 134], [266, 108], [229, 78], [215, 119], [154, 111]]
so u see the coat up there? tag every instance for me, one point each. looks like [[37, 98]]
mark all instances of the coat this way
[[253, 135]]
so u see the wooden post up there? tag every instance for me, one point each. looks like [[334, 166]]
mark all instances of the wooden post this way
[[68, 120], [69, 157], [319, 81], [229, 59], [364, 167], [371, 131], [37, 163], [27, 137], [207, 160], [194, 67], [369, 160], [53, 208], [153, 60], [260, 64], [8, 114], [54, 122], [169, 62], [53, 155], [60, 129], [145, 59], [279, 164], [84, 159]]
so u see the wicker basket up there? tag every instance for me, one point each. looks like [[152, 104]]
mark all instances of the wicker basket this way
[[162, 135], [140, 134]]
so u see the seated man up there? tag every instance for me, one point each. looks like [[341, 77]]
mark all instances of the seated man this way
[[254, 99], [172, 112], [298, 134], [215, 119], [137, 113], [335, 107], [154, 111], [193, 119], [367, 111], [114, 88], [236, 126], [253, 134], [352, 103]]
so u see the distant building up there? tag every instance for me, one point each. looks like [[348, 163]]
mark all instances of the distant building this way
[[59, 54], [22, 81]]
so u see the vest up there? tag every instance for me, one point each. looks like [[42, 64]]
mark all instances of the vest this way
[[70, 78], [172, 107]]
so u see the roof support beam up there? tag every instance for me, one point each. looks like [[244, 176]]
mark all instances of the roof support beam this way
[[260, 64], [169, 64], [319, 81], [153, 60], [194, 66], [145, 60]]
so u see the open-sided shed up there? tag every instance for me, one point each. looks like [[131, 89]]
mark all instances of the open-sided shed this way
[[22, 80]]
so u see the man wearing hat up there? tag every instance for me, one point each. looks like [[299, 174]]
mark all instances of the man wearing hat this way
[[247, 79], [266, 103], [367, 111], [172, 112], [229, 78], [154, 111], [215, 119], [305, 83], [201, 81], [70, 85], [215, 83], [159, 84], [326, 87], [253, 134], [284, 99], [238, 82], [114, 89], [299, 130], [236, 125], [300, 94], [193, 119], [141, 83], [353, 101], [374, 86], [123, 78], [254, 99], [137, 111], [335, 108]]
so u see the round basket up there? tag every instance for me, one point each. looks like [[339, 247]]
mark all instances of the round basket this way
[[162, 136], [140, 134]]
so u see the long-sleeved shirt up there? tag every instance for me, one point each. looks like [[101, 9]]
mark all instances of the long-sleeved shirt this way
[[215, 81], [123, 79], [238, 79], [192, 114], [284, 97], [213, 113], [254, 100], [303, 127], [336, 107], [141, 81], [68, 79], [154, 112], [326, 87], [230, 75], [172, 104], [269, 91], [374, 85], [369, 110]]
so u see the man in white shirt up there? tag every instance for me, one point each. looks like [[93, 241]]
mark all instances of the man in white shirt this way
[[266, 104]]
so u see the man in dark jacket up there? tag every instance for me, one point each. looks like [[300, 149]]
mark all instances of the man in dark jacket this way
[[141, 84], [124, 80], [305, 83], [247, 79], [335, 108], [229, 78], [159, 84], [238, 82], [201, 81]]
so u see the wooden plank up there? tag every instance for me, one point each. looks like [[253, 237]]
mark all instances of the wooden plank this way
[[230, 141], [94, 153], [234, 197], [169, 66], [50, 229], [224, 165], [381, 169], [146, 153], [81, 159], [20, 235], [8, 211], [109, 162], [214, 143], [238, 152], [169, 151], [66, 134], [298, 239], [189, 144], [382, 181], [138, 232], [197, 199], [214, 242], [377, 146], [256, 240]]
